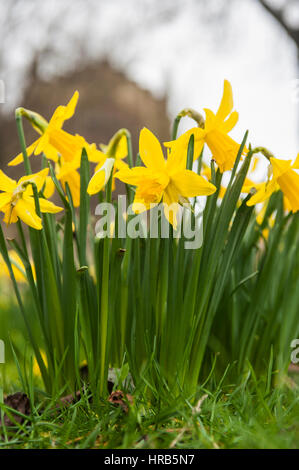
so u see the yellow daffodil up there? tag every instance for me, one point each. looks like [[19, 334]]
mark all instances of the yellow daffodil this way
[[215, 133], [105, 162], [17, 267], [17, 201], [101, 177], [49, 188], [54, 141], [162, 180], [284, 178]]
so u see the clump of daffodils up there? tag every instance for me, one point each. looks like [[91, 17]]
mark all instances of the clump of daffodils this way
[[150, 301]]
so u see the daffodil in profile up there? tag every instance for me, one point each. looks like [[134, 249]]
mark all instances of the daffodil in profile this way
[[55, 142], [162, 180], [284, 178], [215, 133], [111, 157], [101, 177], [17, 200]]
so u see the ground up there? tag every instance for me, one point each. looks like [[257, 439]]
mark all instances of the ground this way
[[230, 416]]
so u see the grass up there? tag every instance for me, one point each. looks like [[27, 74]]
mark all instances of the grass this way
[[226, 416]]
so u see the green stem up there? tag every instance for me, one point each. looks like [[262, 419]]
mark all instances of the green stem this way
[[195, 115], [23, 143], [190, 153], [105, 303], [263, 151]]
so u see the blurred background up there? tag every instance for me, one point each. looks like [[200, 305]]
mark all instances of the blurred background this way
[[139, 62]]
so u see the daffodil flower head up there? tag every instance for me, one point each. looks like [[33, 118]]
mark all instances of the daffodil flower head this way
[[101, 177], [54, 141], [111, 156], [162, 180], [215, 133], [284, 178], [17, 200]]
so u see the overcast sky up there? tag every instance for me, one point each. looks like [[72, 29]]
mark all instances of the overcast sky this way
[[172, 48]]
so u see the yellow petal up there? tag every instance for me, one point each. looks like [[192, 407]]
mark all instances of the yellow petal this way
[[5, 198], [249, 184], [122, 148], [224, 149], [289, 184], [62, 113], [37, 178], [48, 206], [230, 123], [296, 163], [96, 183], [150, 150], [227, 103], [211, 120], [95, 155], [280, 166], [189, 184], [73, 180], [49, 188], [71, 106], [66, 168], [134, 176], [179, 148], [264, 192], [120, 165], [66, 144], [10, 216], [140, 205], [6, 183], [171, 206], [19, 158], [177, 159], [101, 177], [50, 152], [26, 212]]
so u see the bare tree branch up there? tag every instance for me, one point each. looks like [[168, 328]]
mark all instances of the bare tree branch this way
[[278, 14]]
